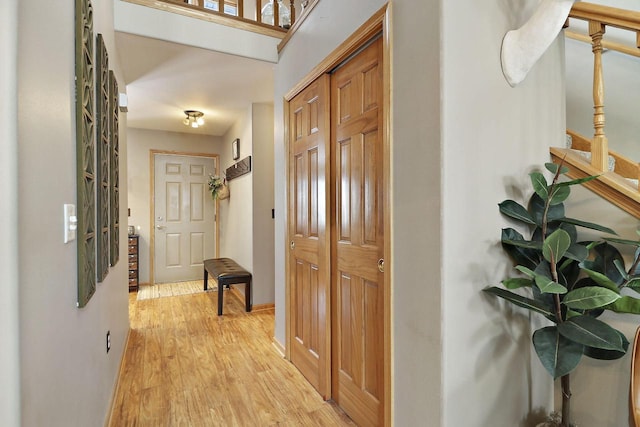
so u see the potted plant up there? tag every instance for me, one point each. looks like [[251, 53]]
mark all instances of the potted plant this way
[[218, 187], [567, 281]]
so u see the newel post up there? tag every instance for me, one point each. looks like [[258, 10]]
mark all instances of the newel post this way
[[599, 146]]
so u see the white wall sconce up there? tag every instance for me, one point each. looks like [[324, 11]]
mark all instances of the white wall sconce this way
[[522, 48]]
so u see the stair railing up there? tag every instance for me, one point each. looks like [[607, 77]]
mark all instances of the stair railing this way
[[599, 18], [622, 185]]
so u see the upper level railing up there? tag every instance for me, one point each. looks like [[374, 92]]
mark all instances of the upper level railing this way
[[278, 13], [275, 18], [619, 180]]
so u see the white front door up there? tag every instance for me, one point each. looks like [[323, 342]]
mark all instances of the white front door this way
[[184, 217]]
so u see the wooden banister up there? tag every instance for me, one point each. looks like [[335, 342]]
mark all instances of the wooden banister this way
[[611, 16]]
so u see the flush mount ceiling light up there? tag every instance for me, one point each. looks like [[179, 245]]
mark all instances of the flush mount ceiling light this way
[[194, 118]]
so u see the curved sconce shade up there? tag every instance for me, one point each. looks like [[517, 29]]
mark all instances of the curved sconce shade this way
[[522, 48]]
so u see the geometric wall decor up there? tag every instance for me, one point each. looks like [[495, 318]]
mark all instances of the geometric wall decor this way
[[103, 113], [85, 146], [114, 167]]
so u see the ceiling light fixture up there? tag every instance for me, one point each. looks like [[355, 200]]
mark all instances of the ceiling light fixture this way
[[194, 118]]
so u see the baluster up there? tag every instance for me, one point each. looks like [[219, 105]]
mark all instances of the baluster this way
[[276, 13], [599, 146], [240, 8], [258, 10], [292, 9]]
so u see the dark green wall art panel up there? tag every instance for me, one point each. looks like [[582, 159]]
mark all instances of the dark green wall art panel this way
[[103, 112], [115, 169], [85, 152]]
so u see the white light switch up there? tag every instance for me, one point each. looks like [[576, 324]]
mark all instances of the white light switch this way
[[70, 223]]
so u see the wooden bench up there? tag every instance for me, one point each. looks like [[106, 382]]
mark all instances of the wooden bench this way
[[227, 272]]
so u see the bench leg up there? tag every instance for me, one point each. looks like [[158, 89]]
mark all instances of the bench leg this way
[[247, 296], [206, 279], [220, 294]]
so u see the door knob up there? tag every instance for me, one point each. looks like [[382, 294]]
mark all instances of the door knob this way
[[381, 265], [160, 227], [292, 245]]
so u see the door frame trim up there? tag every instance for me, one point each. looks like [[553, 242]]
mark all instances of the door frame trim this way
[[152, 203], [380, 22]]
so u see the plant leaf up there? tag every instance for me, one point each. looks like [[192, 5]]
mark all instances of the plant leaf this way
[[558, 354], [544, 282], [515, 210], [525, 270], [601, 279], [598, 353], [553, 168], [559, 195], [589, 225], [623, 241], [578, 181], [527, 244], [634, 284], [591, 332], [548, 286], [606, 255], [589, 297], [536, 209], [555, 246], [625, 304], [540, 185], [577, 252], [522, 256], [517, 282], [519, 300], [620, 267]]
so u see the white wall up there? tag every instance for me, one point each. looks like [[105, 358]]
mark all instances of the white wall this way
[[140, 142], [246, 227], [263, 224], [236, 213], [67, 378], [9, 332], [494, 135]]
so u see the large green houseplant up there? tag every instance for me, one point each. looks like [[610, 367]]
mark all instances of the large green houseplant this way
[[569, 282]]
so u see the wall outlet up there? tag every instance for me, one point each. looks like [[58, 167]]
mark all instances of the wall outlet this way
[[108, 341]]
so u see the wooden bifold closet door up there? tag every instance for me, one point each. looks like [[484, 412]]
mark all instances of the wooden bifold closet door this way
[[336, 229], [309, 245]]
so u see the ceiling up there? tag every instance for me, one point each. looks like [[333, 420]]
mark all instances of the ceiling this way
[[163, 79]]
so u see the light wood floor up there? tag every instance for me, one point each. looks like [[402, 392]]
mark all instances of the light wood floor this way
[[185, 366]]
